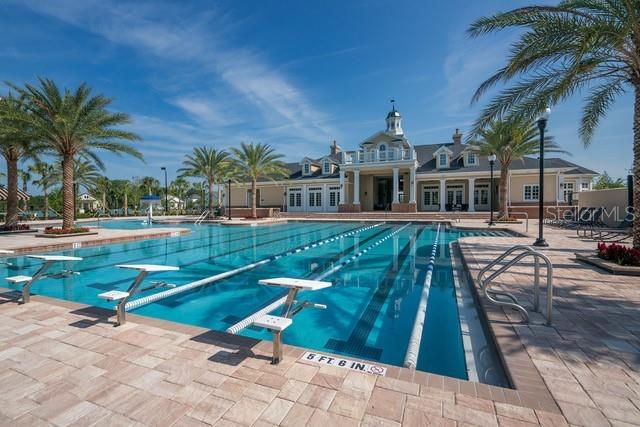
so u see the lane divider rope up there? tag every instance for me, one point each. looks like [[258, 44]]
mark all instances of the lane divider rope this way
[[247, 321], [215, 278], [413, 349]]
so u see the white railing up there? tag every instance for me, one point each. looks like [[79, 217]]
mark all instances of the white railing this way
[[376, 156]]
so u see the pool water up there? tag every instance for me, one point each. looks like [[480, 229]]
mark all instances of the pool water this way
[[371, 307]]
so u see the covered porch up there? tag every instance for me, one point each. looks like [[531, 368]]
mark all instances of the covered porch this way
[[392, 190], [465, 194]]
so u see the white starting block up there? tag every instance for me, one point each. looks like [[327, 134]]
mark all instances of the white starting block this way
[[277, 324], [113, 295], [123, 297], [27, 281]]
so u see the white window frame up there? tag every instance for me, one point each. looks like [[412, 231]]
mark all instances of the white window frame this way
[[446, 160], [474, 157], [306, 169], [326, 168], [524, 192]]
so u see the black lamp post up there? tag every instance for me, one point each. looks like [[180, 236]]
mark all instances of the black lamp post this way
[[542, 125], [229, 198], [492, 161], [166, 192]]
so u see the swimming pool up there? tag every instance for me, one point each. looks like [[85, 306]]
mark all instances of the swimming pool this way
[[371, 306]]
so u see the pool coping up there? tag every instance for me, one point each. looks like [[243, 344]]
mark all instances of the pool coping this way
[[50, 246], [518, 366]]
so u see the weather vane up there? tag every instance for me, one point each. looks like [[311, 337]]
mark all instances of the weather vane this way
[[393, 105]]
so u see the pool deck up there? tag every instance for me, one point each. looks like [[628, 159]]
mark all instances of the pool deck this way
[[64, 365], [29, 243]]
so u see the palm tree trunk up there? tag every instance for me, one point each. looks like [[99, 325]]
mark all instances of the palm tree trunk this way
[[24, 190], [219, 195], [254, 209], [126, 203], [636, 168], [211, 199], [504, 177], [11, 219], [45, 193], [68, 202]]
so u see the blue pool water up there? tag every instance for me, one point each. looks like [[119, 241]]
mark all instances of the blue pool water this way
[[371, 306]]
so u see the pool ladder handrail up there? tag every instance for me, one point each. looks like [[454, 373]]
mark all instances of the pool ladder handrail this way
[[202, 217], [525, 251]]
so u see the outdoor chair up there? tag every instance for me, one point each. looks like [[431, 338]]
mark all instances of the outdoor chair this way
[[618, 233]]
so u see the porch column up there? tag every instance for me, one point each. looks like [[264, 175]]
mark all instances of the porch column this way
[[342, 173], [356, 187], [412, 185], [472, 185], [443, 196], [395, 185]]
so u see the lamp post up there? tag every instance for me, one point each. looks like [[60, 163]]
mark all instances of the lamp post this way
[[492, 161], [542, 125], [229, 198], [166, 192]]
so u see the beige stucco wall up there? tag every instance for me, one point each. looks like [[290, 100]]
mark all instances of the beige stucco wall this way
[[613, 200], [519, 181], [366, 192]]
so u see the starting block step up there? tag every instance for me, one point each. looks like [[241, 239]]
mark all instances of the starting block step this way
[[274, 323], [113, 295], [18, 279]]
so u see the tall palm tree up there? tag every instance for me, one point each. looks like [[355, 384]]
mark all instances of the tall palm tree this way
[[207, 163], [26, 177], [258, 161], [509, 141], [16, 143], [588, 45], [47, 176], [75, 123]]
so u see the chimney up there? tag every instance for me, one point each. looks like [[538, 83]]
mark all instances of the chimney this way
[[335, 149], [457, 137]]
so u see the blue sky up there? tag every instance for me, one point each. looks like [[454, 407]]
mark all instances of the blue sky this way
[[296, 75]]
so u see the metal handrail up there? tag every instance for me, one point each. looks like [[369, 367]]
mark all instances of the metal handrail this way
[[525, 252], [202, 217], [526, 215]]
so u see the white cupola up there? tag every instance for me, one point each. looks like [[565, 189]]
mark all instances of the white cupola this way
[[394, 121]]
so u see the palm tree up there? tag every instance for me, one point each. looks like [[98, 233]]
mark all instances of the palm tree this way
[[578, 45], [207, 163], [258, 161], [48, 176], [26, 177], [16, 143], [85, 174], [101, 188], [150, 184], [509, 141], [179, 188], [75, 123]]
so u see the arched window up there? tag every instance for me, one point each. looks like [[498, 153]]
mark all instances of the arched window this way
[[382, 147]]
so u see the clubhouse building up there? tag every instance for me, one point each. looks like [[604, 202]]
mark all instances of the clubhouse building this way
[[388, 173]]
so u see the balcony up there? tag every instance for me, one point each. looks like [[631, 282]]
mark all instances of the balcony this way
[[377, 156]]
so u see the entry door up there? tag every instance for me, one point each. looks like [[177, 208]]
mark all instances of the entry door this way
[[430, 197], [481, 196], [334, 199], [455, 195], [383, 201], [315, 198]]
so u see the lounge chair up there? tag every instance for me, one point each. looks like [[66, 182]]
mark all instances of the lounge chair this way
[[618, 233]]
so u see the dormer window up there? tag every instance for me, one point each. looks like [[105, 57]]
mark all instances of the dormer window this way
[[326, 168], [306, 168], [472, 159], [443, 160]]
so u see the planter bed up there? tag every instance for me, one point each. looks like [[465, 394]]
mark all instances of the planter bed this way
[[611, 267], [59, 236]]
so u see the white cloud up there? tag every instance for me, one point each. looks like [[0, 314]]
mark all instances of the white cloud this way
[[166, 32]]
